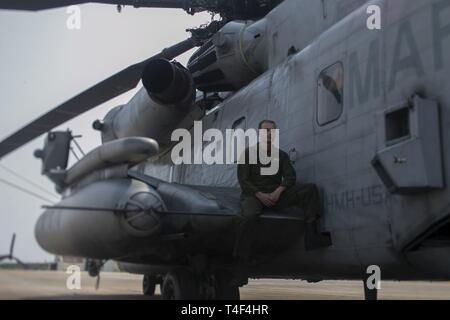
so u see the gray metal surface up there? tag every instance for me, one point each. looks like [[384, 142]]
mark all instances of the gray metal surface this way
[[405, 234], [123, 151], [368, 224]]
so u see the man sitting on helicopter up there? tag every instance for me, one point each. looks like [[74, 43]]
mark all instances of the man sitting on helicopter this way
[[277, 192]]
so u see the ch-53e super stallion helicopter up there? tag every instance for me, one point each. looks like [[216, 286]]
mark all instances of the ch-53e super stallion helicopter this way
[[364, 114]]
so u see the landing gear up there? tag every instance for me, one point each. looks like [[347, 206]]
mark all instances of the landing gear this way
[[149, 285], [93, 267], [180, 284], [183, 284]]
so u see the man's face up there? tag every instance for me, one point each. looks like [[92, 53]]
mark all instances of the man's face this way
[[267, 126]]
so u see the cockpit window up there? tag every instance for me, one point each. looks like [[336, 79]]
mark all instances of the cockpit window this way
[[330, 91]]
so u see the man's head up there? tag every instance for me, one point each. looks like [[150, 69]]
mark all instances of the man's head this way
[[268, 125]]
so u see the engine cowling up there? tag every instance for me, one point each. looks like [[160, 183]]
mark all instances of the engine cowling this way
[[235, 56], [167, 97]]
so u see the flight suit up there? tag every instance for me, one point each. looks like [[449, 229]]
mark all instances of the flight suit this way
[[305, 196], [251, 180]]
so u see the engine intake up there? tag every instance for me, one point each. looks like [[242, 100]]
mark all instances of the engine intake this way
[[167, 97], [167, 82]]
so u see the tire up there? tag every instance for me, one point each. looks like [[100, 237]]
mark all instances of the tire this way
[[180, 285], [149, 285]]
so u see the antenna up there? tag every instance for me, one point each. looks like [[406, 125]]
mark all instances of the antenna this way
[[11, 256], [11, 248]]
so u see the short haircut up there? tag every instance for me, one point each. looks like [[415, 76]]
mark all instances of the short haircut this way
[[267, 121]]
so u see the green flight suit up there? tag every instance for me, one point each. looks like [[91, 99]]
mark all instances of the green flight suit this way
[[305, 196]]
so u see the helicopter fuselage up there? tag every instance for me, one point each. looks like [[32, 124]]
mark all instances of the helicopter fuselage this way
[[404, 231], [365, 115]]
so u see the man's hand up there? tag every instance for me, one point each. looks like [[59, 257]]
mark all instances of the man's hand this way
[[275, 196], [265, 198]]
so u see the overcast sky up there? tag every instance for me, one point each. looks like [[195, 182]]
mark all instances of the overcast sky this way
[[42, 64]]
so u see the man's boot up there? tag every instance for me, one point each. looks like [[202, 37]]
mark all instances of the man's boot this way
[[315, 239]]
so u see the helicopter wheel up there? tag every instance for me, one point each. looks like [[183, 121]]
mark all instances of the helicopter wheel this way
[[179, 284], [149, 285]]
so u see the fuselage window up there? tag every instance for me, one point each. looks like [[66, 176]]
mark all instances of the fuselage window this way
[[330, 94]]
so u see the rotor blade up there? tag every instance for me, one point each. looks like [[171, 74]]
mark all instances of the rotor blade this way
[[35, 5], [11, 248], [106, 90]]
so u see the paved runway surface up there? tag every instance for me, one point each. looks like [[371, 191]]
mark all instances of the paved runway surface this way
[[15, 284]]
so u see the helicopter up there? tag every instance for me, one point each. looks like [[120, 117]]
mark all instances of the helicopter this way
[[363, 113]]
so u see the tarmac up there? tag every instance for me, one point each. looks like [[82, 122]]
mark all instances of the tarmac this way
[[19, 284]]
